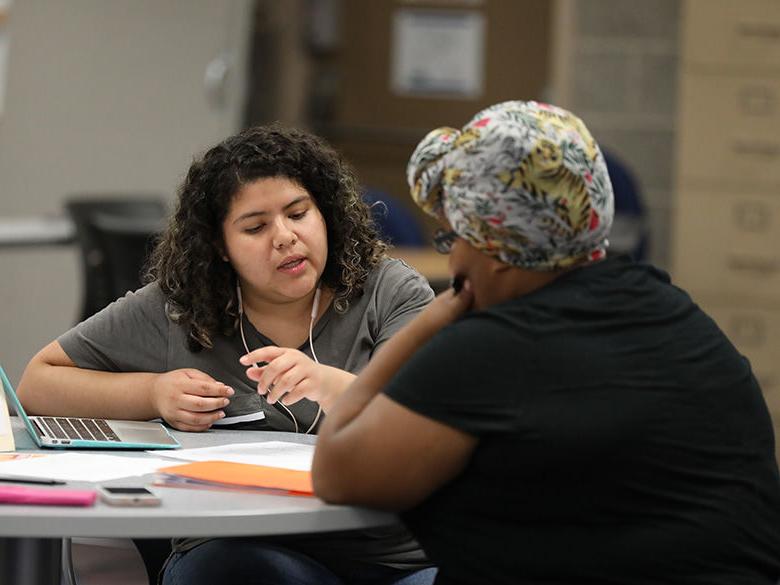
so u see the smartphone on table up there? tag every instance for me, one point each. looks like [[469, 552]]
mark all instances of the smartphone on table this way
[[128, 496]]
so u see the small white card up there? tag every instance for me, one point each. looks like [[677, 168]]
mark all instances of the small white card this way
[[231, 420]]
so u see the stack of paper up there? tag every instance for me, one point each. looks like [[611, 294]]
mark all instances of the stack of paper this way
[[242, 476], [271, 453], [78, 466]]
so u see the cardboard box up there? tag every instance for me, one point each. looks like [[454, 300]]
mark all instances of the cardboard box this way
[[728, 245], [742, 34], [377, 126], [730, 130], [516, 38]]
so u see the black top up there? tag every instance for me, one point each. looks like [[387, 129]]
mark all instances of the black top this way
[[622, 439]]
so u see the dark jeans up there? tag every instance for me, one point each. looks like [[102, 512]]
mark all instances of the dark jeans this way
[[239, 561]]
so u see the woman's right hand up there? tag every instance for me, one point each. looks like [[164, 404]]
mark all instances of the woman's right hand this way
[[188, 399]]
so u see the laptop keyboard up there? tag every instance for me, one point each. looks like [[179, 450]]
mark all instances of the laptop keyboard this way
[[86, 429]]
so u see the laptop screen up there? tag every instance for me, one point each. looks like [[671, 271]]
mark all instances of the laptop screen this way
[[14, 402]]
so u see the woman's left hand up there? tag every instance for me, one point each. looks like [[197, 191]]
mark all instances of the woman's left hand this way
[[290, 375]]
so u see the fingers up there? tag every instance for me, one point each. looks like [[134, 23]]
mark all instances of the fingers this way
[[281, 375], [209, 389], [274, 371], [267, 374], [263, 354], [190, 400], [202, 404], [449, 305], [283, 385], [288, 373], [301, 390], [184, 420], [255, 373], [465, 296]]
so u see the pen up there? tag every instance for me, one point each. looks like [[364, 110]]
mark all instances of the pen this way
[[32, 480]]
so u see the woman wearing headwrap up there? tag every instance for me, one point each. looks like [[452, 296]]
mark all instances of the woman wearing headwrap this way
[[558, 416]]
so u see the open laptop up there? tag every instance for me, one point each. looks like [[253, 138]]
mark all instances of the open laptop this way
[[67, 432]]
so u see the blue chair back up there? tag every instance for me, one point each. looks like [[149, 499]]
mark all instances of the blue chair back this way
[[629, 230], [397, 224]]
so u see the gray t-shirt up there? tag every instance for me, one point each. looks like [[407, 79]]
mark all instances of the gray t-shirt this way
[[134, 334]]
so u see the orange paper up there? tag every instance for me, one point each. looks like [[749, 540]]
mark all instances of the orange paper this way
[[244, 474]]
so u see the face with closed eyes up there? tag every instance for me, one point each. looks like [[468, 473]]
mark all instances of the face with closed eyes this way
[[276, 240]]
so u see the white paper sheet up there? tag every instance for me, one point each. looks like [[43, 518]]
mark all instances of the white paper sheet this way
[[271, 453], [82, 466]]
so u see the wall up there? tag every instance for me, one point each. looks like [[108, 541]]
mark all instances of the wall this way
[[102, 97], [728, 258], [616, 66]]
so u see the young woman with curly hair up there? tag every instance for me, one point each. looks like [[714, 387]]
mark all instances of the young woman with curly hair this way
[[270, 257]]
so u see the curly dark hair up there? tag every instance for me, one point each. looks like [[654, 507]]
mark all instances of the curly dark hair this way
[[187, 260]]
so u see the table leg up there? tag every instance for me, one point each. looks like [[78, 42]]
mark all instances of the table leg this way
[[31, 561]]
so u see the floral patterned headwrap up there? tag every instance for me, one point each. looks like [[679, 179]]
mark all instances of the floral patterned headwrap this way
[[523, 181]]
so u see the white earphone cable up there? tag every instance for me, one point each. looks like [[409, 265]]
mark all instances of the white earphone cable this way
[[314, 310]]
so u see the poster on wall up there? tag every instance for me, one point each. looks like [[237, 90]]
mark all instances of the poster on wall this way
[[438, 53], [5, 45]]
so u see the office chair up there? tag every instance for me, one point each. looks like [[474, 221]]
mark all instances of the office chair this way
[[127, 242], [114, 236], [101, 560], [630, 234]]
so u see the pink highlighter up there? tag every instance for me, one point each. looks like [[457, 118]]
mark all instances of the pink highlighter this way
[[46, 496]]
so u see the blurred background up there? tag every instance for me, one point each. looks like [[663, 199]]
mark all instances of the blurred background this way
[[113, 99]]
